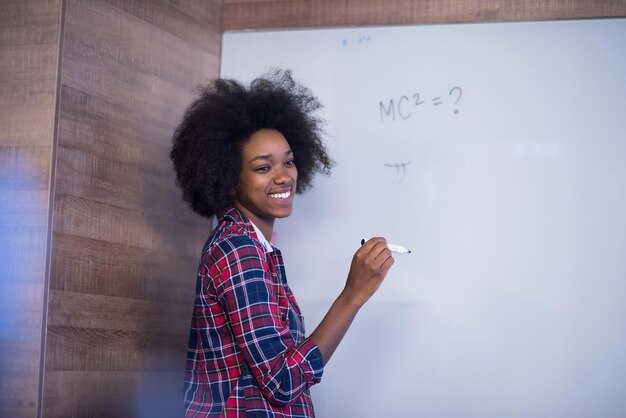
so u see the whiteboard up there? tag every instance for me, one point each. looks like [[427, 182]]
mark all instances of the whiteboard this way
[[497, 154]]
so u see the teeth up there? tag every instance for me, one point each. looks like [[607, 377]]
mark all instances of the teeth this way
[[280, 195]]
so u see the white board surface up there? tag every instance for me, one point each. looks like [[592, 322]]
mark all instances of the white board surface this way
[[497, 154]]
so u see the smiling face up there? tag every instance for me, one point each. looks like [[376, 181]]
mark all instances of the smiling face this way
[[267, 182]]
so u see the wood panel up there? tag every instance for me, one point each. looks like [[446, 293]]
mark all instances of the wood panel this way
[[29, 53], [95, 266], [125, 246], [261, 14], [129, 388]]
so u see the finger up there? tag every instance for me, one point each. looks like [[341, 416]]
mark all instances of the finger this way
[[382, 257], [383, 267], [387, 264], [372, 243], [378, 249]]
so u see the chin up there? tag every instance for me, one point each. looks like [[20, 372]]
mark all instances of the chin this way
[[282, 209], [283, 213]]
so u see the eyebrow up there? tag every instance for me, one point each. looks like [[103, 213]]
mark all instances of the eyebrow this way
[[268, 156]]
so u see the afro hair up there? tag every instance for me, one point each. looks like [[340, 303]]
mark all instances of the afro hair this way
[[207, 143]]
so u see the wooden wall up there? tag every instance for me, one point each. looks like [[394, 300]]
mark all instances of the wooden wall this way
[[98, 252], [265, 14], [29, 54], [125, 246]]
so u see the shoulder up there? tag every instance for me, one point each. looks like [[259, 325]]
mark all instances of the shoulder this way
[[236, 243], [233, 234], [232, 243], [235, 261]]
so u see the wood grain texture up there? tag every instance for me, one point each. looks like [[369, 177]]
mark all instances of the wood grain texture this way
[[94, 266], [197, 22], [125, 246], [20, 342], [259, 14], [127, 166], [81, 393], [89, 349], [84, 310], [29, 52], [29, 35]]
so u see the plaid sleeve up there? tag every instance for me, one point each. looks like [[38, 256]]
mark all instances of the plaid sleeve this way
[[282, 368]]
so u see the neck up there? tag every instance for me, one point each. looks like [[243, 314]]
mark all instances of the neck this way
[[266, 225]]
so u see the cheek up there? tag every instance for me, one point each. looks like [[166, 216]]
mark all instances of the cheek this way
[[248, 187], [242, 191]]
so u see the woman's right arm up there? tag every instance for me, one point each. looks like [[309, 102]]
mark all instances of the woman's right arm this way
[[369, 267]]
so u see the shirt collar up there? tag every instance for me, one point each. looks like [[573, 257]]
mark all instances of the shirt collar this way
[[261, 238], [236, 216]]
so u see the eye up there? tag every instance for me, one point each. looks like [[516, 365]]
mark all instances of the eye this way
[[290, 163], [262, 169]]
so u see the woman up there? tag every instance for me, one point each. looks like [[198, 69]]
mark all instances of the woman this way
[[242, 153]]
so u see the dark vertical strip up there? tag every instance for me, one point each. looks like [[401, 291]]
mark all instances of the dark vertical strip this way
[[51, 188]]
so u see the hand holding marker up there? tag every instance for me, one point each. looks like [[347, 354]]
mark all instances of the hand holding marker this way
[[392, 247]]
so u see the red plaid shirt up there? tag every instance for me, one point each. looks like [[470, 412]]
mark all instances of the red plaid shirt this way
[[248, 355]]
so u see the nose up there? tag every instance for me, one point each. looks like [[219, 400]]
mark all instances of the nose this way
[[282, 176]]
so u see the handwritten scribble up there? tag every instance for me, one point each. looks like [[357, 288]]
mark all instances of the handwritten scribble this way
[[417, 99], [403, 108], [354, 41], [400, 170], [460, 90]]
